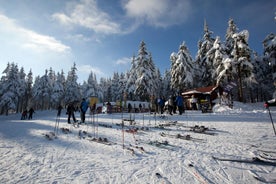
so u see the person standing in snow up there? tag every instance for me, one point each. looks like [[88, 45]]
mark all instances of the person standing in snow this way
[[170, 105], [59, 110], [83, 109], [70, 112], [180, 104], [24, 115], [193, 102], [129, 106], [31, 111]]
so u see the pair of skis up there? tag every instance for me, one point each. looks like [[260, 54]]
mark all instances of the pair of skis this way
[[162, 144], [183, 137], [254, 160]]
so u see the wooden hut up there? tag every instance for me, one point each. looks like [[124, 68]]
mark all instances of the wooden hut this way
[[204, 97]]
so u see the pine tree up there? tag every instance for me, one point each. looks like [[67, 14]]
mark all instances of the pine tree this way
[[181, 69], [263, 73], [241, 54], [72, 89], [146, 74], [22, 90], [220, 62], [231, 30], [58, 90], [90, 89], [203, 60], [269, 44], [42, 92], [10, 90], [131, 77], [115, 87], [167, 84], [28, 95]]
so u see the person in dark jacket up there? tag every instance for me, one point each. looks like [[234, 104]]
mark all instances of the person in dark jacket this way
[[70, 112], [180, 104], [83, 109], [59, 110], [31, 111]]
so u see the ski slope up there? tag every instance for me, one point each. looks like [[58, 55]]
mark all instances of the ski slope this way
[[27, 156]]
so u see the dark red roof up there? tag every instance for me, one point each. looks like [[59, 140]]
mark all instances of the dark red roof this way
[[208, 89]]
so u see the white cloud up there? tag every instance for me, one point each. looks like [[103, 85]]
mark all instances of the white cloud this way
[[88, 15], [123, 61], [87, 69], [159, 13], [26, 38]]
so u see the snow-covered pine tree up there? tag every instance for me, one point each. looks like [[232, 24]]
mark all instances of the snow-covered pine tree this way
[[72, 88], [241, 63], [229, 40], [90, 88], [145, 85], [167, 84], [220, 63], [103, 87], [41, 92], [9, 92], [203, 60], [131, 77], [57, 95], [22, 90], [182, 70], [263, 73], [29, 83], [115, 87], [269, 44]]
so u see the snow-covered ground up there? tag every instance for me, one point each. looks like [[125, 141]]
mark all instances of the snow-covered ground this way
[[28, 157]]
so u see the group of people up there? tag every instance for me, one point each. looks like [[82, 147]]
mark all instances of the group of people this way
[[174, 103], [71, 111], [25, 113]]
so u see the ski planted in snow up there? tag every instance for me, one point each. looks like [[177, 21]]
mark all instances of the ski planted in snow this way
[[254, 160]]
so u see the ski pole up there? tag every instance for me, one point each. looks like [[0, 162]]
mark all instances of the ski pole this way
[[271, 120], [57, 127], [123, 135]]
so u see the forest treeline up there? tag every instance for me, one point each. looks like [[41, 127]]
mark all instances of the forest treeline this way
[[218, 62]]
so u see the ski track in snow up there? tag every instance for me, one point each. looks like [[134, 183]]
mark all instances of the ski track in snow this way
[[28, 157]]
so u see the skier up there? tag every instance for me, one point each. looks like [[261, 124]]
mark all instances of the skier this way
[[83, 109], [129, 106], [161, 104], [31, 111], [109, 108], [24, 115], [70, 112], [59, 110], [180, 104], [170, 105]]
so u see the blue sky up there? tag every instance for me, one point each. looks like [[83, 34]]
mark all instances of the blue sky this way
[[102, 35]]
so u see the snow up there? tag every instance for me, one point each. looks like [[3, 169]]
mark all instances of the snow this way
[[28, 157]]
